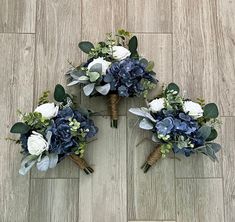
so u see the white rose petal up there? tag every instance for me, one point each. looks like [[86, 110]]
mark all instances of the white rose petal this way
[[105, 64], [36, 144], [48, 110], [193, 109], [120, 52], [156, 105]]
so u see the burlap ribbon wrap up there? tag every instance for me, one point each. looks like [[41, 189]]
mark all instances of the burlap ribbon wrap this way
[[113, 106], [82, 164]]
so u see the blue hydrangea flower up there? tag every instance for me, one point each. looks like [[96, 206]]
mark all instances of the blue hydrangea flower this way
[[186, 150], [125, 77], [165, 126], [62, 140]]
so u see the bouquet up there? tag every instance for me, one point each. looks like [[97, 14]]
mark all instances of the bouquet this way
[[179, 125], [54, 130], [113, 68]]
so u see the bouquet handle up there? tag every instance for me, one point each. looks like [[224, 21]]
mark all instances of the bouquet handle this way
[[113, 105], [82, 164], [153, 157]]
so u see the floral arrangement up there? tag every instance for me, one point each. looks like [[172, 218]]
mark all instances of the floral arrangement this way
[[113, 68], [54, 130], [179, 125]]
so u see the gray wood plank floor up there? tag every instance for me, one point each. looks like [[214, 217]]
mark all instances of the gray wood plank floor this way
[[191, 42]]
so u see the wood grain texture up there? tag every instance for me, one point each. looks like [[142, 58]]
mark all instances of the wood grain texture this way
[[58, 33], [149, 194], [151, 221], [195, 67], [228, 145], [107, 16], [149, 16], [16, 68], [199, 200], [17, 16], [226, 56], [103, 195], [54, 200]]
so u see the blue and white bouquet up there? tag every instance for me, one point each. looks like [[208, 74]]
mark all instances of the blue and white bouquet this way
[[53, 131], [114, 68], [179, 125]]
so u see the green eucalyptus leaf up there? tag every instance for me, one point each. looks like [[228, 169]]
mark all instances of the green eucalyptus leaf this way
[[150, 66], [86, 46], [204, 132], [133, 44], [20, 127], [88, 89], [59, 93], [210, 110], [173, 87], [212, 135]]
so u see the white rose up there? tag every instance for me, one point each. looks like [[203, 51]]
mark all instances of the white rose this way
[[36, 144], [48, 110], [193, 109], [156, 105], [120, 52], [105, 64]]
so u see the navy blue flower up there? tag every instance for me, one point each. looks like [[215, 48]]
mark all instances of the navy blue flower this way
[[187, 151], [165, 126], [125, 77]]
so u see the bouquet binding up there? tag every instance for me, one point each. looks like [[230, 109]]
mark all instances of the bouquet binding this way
[[54, 131], [114, 68], [179, 125]]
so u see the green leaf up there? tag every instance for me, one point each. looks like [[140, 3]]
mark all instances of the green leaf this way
[[20, 127], [204, 132], [133, 44], [144, 62], [212, 135], [59, 93], [93, 76], [174, 87], [150, 66], [210, 110], [86, 46], [96, 68]]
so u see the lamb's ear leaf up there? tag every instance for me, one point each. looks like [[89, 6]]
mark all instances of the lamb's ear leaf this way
[[20, 128], [88, 89], [210, 110], [145, 124], [53, 160], [43, 164], [86, 46], [27, 164], [59, 93], [96, 68], [103, 89], [133, 44]]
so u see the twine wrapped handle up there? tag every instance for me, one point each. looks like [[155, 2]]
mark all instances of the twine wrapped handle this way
[[82, 164], [153, 157], [113, 105]]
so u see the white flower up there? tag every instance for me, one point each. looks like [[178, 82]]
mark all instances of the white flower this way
[[120, 52], [100, 60], [193, 109], [48, 110], [36, 144], [156, 105]]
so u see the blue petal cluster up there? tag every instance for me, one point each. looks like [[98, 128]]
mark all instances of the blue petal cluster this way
[[125, 77], [62, 140], [177, 124]]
